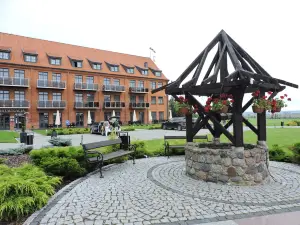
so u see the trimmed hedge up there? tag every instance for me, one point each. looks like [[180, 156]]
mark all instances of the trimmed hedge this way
[[56, 141], [67, 131], [16, 151]]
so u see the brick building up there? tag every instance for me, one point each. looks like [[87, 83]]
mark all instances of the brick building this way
[[39, 77]]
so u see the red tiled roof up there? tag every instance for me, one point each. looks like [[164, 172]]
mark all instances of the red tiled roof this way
[[42, 47], [3, 48], [29, 51]]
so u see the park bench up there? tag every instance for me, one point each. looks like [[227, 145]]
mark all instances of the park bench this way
[[94, 157], [168, 146]]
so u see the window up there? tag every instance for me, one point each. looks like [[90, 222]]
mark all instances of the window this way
[[106, 98], [4, 55], [96, 66], [56, 77], [141, 83], [160, 100], [79, 119], [77, 64], [153, 100], [144, 72], [4, 95], [19, 74], [56, 96], [153, 85], [55, 61], [145, 64], [141, 99], [114, 68], [161, 115], [132, 83], [132, 98], [30, 58], [117, 82], [107, 115], [78, 79], [118, 114], [90, 80], [106, 81], [90, 97], [92, 117], [130, 70], [19, 95], [4, 72], [78, 97], [153, 114], [117, 98], [43, 96], [159, 84], [43, 76], [157, 73]]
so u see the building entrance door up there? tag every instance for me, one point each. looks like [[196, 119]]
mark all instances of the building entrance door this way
[[142, 117], [4, 122], [20, 120], [79, 120], [43, 120]]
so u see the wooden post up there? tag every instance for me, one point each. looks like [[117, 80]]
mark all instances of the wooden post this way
[[237, 117], [218, 132], [261, 124], [189, 127]]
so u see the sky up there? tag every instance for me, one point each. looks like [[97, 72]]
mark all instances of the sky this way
[[177, 30]]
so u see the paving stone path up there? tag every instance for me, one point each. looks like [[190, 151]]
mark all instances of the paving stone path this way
[[157, 191]]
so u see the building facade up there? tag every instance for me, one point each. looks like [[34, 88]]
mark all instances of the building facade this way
[[39, 77]]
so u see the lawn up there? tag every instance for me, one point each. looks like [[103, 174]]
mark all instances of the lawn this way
[[271, 122], [8, 137], [284, 137], [42, 132], [144, 126]]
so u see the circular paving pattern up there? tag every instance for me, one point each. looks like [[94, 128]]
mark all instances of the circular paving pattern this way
[[157, 191]]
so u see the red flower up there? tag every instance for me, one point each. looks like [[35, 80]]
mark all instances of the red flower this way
[[264, 97], [206, 109], [270, 92], [232, 101], [289, 99], [208, 102], [285, 95], [224, 102], [209, 99], [216, 100], [258, 91], [230, 96], [185, 100], [282, 97]]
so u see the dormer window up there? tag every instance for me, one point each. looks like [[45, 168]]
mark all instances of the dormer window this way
[[30, 58], [130, 70], [114, 68], [96, 66], [4, 55], [77, 64], [145, 64], [144, 72], [55, 61], [157, 73]]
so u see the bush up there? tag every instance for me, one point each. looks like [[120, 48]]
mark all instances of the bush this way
[[56, 141], [2, 160], [16, 151], [278, 154], [23, 190], [128, 129]]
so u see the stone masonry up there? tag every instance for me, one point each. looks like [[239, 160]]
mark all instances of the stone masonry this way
[[236, 165]]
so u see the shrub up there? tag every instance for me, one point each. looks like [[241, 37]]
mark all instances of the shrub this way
[[2, 160], [23, 190], [128, 129], [56, 141], [16, 151], [278, 154]]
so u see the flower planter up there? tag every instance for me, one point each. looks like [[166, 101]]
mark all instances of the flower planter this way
[[223, 110], [184, 110], [255, 109], [277, 109]]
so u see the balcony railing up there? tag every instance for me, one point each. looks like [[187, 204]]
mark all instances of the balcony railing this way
[[86, 105], [86, 86], [113, 88], [140, 105], [111, 105], [51, 84], [51, 104], [13, 81], [138, 90], [14, 104]]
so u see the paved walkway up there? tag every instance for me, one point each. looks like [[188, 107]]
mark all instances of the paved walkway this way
[[157, 191]]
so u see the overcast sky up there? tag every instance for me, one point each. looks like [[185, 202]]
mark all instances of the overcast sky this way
[[177, 30]]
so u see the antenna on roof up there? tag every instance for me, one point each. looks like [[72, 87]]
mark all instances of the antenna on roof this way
[[152, 50]]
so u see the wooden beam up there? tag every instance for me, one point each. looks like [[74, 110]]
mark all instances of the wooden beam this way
[[235, 62], [189, 127], [261, 124], [214, 61], [223, 67], [199, 124], [159, 89], [253, 128], [243, 62]]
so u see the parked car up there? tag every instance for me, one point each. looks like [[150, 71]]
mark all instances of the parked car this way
[[178, 123], [97, 128]]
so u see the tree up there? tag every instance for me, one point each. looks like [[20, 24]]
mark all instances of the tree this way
[[173, 106]]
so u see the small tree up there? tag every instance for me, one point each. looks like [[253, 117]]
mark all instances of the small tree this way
[[174, 107]]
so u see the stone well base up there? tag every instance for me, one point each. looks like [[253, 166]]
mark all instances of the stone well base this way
[[237, 165]]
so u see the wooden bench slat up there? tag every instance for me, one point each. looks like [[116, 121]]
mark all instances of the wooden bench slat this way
[[116, 154], [101, 144], [176, 146], [184, 137]]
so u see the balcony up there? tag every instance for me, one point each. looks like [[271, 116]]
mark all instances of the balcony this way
[[14, 82], [141, 90], [86, 105], [51, 84], [113, 88], [14, 104], [86, 87], [51, 104], [113, 105], [140, 105]]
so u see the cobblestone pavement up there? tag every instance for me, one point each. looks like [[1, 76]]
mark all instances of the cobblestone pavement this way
[[157, 191]]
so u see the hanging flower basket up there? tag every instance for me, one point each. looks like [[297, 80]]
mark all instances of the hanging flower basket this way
[[256, 109], [184, 110], [223, 110], [278, 109], [219, 104]]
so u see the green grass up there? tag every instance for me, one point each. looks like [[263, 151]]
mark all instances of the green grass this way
[[8, 137], [271, 122], [144, 126], [42, 132]]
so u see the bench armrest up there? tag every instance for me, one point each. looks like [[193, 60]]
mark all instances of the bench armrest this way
[[132, 147], [167, 148], [99, 154]]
